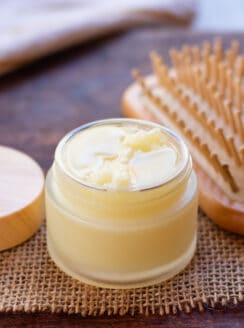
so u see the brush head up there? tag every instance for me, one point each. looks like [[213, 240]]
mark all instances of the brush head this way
[[201, 97]]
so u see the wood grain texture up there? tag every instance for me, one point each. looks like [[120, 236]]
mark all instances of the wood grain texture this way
[[22, 197], [43, 102]]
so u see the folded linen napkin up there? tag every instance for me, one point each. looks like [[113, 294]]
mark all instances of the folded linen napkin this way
[[31, 29]]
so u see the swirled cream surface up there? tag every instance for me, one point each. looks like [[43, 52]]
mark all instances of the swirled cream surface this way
[[121, 157]]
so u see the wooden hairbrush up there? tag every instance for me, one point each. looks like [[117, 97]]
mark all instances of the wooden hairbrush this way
[[201, 98]]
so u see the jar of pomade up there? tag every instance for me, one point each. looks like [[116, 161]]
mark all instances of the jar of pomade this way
[[121, 204]]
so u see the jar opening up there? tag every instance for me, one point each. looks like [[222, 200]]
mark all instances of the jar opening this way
[[176, 142]]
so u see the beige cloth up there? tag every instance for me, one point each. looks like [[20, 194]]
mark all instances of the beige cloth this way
[[30, 281], [30, 29]]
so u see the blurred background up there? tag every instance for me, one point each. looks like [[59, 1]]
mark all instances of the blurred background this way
[[219, 16], [31, 29]]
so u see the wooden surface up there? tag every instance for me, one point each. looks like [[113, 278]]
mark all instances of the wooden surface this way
[[41, 103], [232, 318]]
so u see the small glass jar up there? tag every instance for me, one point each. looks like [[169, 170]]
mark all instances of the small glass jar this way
[[121, 238]]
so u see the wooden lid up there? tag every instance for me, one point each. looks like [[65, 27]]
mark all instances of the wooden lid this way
[[21, 197]]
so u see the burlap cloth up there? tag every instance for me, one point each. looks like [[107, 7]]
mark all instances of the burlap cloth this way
[[30, 281]]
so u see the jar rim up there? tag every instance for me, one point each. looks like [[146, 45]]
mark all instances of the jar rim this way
[[182, 146]]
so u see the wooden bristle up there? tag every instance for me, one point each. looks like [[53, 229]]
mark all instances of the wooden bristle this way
[[222, 76], [136, 74], [230, 87], [206, 49], [224, 141], [213, 68], [159, 68], [235, 46], [197, 141], [210, 96], [230, 115], [230, 58], [223, 170], [186, 52], [229, 178], [242, 154], [239, 125], [234, 152], [212, 128], [174, 58], [238, 95], [173, 115], [205, 150], [203, 99], [240, 67], [194, 110], [215, 162], [189, 134], [218, 49], [221, 110], [157, 100], [156, 60], [165, 108], [196, 55], [181, 124]]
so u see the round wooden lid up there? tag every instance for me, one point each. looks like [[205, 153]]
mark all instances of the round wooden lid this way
[[21, 197]]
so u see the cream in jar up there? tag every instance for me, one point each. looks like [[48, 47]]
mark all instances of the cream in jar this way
[[121, 201]]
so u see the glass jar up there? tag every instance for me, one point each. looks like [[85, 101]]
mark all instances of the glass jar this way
[[121, 238]]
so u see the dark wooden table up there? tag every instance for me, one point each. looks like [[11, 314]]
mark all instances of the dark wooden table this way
[[39, 104]]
